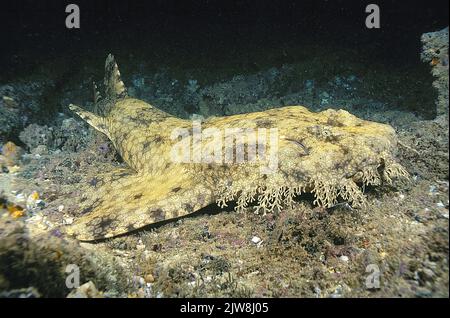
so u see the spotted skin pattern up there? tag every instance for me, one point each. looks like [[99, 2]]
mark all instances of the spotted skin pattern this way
[[326, 153]]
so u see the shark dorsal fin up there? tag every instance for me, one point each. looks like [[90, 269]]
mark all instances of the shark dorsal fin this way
[[114, 87]]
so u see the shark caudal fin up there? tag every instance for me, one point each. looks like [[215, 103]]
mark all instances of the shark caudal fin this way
[[114, 87], [92, 119]]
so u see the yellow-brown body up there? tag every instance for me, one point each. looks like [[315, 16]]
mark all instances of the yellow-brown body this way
[[330, 154]]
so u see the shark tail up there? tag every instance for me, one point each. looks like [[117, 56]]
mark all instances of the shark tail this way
[[114, 89], [96, 121], [114, 86]]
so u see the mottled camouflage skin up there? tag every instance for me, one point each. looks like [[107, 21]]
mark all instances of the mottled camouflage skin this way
[[329, 154]]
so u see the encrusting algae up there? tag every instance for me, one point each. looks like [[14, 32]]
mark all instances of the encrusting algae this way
[[286, 151]]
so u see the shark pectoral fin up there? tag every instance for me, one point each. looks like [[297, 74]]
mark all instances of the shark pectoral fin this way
[[130, 202], [92, 119]]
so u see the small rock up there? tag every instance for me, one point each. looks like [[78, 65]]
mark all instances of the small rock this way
[[20, 197], [317, 291], [432, 190], [87, 290], [40, 150], [68, 220], [344, 258], [13, 169], [192, 284], [140, 246], [430, 264], [256, 239], [149, 278], [337, 293], [10, 102], [423, 292], [426, 274], [60, 208], [11, 153]]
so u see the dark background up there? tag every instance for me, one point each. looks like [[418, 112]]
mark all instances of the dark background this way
[[34, 31]]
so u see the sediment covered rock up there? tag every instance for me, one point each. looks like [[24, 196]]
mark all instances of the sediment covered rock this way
[[435, 52]]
